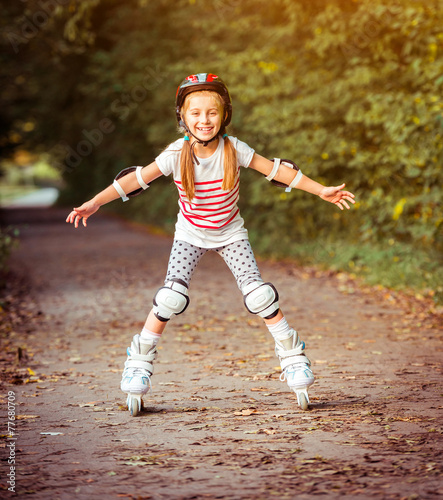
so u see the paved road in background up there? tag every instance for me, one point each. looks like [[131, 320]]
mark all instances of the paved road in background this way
[[44, 197]]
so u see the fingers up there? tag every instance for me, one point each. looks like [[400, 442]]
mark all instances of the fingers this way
[[338, 197], [79, 218], [71, 217], [342, 202], [74, 218], [345, 196]]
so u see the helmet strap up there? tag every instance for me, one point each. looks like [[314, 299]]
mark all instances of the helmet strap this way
[[199, 141]]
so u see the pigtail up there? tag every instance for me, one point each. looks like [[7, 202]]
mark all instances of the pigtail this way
[[230, 165], [187, 170]]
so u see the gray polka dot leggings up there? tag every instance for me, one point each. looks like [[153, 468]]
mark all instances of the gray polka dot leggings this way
[[238, 256]]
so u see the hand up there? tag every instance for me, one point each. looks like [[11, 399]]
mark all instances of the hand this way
[[337, 196], [83, 212]]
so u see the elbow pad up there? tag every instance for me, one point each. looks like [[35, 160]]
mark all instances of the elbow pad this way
[[276, 168], [126, 171]]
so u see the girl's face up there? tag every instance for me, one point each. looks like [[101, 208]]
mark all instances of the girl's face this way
[[203, 115]]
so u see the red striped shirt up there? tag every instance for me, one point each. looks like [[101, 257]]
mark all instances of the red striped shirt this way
[[211, 207]]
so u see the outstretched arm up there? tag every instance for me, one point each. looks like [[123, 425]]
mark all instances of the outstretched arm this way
[[285, 175], [128, 183]]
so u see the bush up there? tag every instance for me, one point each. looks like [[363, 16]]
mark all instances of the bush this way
[[8, 239]]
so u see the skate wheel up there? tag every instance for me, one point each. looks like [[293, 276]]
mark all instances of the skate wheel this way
[[302, 401], [134, 406]]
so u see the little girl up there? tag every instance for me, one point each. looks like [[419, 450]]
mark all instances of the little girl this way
[[205, 165]]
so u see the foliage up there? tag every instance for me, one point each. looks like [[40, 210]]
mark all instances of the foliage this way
[[8, 240], [349, 90]]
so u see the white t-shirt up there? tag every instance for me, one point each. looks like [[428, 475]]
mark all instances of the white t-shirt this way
[[213, 218]]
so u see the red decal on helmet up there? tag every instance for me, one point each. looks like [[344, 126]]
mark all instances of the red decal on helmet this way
[[192, 78], [211, 77]]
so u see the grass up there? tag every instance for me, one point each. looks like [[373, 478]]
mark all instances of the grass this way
[[392, 265]]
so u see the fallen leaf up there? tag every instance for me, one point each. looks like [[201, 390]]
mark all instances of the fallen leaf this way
[[247, 413]]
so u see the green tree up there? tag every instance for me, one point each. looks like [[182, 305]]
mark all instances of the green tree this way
[[349, 90]]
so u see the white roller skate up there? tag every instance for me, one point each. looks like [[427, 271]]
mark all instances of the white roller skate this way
[[295, 367], [136, 378]]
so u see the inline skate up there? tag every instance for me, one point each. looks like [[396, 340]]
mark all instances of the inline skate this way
[[136, 378], [295, 367]]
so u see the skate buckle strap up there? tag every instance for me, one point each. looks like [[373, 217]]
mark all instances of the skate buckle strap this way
[[134, 363], [294, 360], [150, 356], [142, 361], [292, 356]]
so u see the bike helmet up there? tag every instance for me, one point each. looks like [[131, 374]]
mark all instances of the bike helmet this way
[[203, 81]]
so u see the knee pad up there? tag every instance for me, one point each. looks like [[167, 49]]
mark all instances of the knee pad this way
[[262, 299], [170, 299]]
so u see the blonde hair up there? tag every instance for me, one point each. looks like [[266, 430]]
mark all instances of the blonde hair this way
[[187, 160]]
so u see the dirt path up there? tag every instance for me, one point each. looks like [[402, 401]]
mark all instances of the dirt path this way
[[219, 423]]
